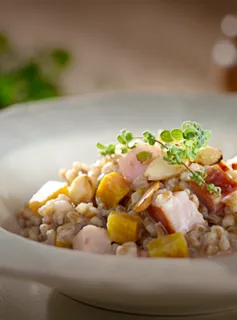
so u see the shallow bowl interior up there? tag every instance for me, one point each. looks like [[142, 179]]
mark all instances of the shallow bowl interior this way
[[37, 140]]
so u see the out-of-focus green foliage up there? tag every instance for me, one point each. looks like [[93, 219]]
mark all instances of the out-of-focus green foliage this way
[[27, 79]]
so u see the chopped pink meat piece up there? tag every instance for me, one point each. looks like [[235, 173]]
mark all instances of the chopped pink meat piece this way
[[176, 211], [220, 179], [92, 239], [131, 167]]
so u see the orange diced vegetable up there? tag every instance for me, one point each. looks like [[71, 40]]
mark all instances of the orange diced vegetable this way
[[123, 227], [112, 189], [170, 246], [50, 190], [177, 188], [61, 244]]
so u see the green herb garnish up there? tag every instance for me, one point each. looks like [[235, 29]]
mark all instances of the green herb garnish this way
[[184, 143], [149, 138], [106, 150], [144, 156], [214, 189], [124, 138], [178, 145]]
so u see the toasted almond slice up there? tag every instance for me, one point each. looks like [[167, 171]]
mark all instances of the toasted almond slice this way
[[159, 169], [209, 156], [146, 199]]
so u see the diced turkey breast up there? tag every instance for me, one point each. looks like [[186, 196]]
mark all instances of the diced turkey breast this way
[[92, 239], [131, 167], [176, 211]]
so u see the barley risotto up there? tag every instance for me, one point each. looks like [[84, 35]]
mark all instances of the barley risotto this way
[[164, 195]]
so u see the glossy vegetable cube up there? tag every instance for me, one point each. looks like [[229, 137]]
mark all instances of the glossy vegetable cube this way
[[170, 246], [112, 189], [61, 244], [50, 190], [123, 227]]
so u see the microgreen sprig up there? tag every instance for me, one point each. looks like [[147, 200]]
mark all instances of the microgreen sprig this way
[[125, 139], [184, 143], [124, 144], [178, 145], [106, 150]]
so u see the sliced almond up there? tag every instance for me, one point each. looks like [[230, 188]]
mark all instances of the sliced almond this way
[[159, 169], [209, 156], [146, 199]]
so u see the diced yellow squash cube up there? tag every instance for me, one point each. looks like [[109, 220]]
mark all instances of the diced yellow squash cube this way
[[112, 189], [123, 227], [61, 244], [50, 190], [170, 246]]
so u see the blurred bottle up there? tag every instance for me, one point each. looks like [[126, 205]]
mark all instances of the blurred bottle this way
[[229, 27], [224, 56]]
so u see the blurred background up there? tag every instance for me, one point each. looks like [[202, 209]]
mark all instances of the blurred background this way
[[52, 48]]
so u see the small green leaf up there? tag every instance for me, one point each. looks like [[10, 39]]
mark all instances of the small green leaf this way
[[132, 145], [124, 150], [190, 154], [186, 125], [111, 148], [100, 146], [144, 156], [121, 139], [188, 143], [189, 133], [177, 134], [207, 134], [197, 126], [149, 137], [213, 189], [129, 136], [166, 136], [197, 177]]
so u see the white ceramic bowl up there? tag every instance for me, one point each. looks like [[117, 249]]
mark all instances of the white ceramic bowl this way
[[36, 140]]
